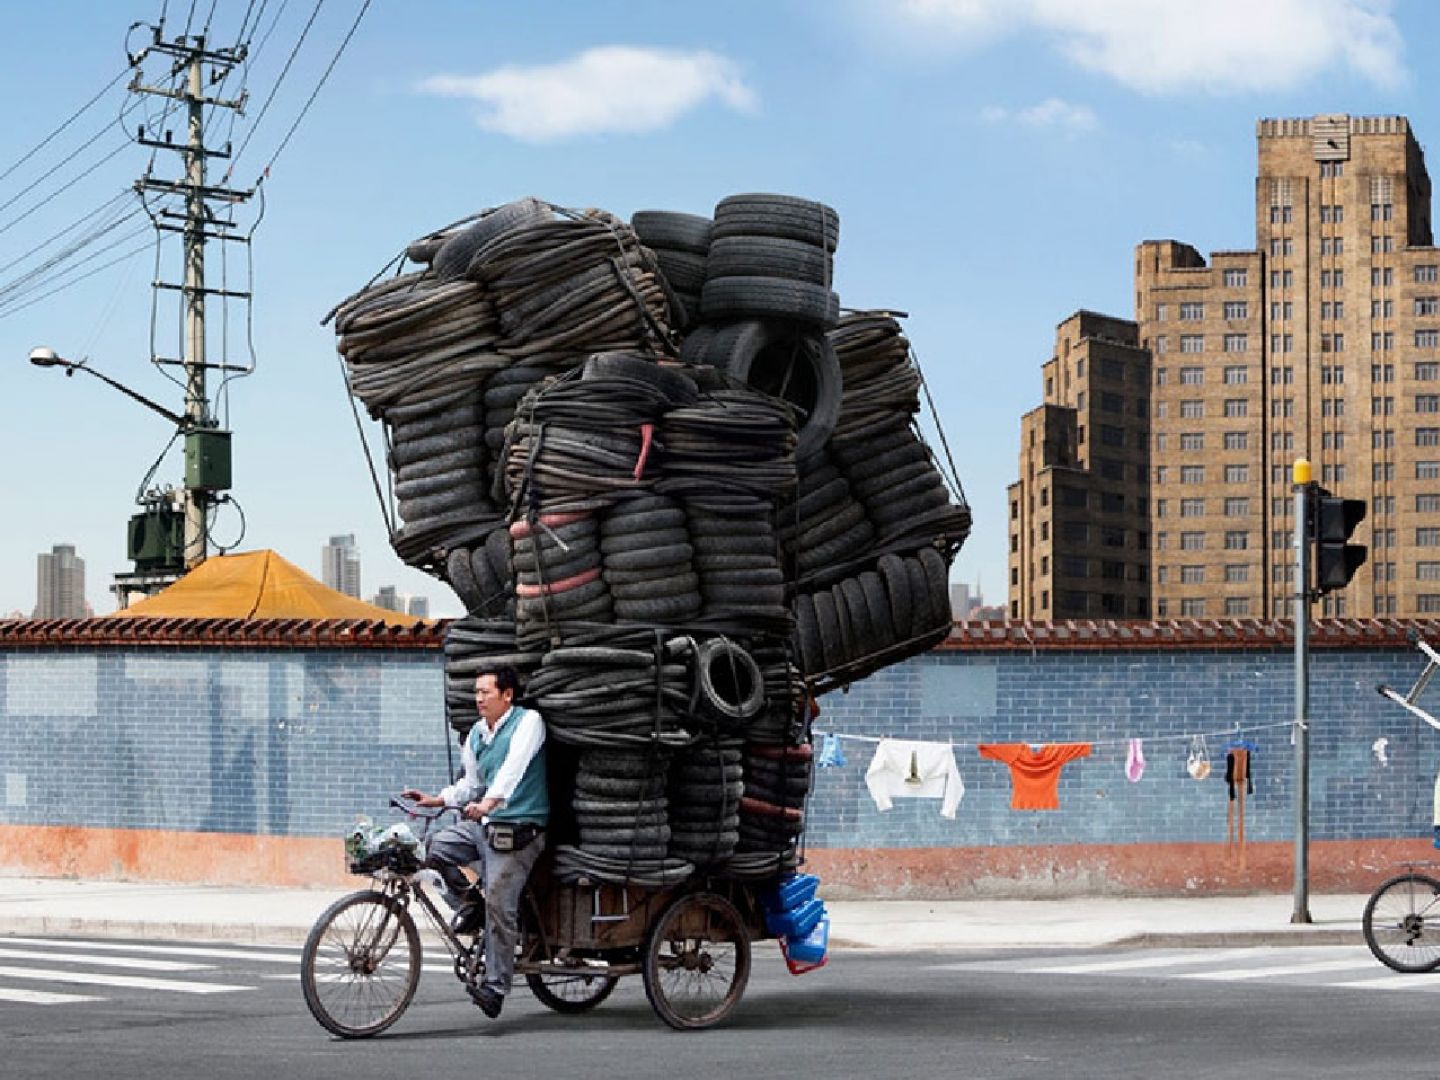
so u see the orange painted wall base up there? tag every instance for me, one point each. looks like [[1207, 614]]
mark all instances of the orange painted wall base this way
[[180, 857], [959, 873]]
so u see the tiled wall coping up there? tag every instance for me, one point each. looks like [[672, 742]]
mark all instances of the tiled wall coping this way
[[967, 635]]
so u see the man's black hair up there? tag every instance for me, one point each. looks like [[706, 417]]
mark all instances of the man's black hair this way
[[506, 677]]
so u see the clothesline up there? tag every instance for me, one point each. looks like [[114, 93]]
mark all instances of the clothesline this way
[[1236, 729]]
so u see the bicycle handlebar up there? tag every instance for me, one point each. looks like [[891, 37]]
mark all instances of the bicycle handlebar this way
[[413, 809]]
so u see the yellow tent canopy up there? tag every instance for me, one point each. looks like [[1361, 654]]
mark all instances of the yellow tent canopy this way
[[255, 585]]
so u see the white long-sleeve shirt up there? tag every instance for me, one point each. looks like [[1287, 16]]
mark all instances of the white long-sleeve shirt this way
[[915, 770], [529, 737]]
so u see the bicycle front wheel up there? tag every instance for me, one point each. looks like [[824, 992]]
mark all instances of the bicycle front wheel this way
[[1402, 923], [361, 964]]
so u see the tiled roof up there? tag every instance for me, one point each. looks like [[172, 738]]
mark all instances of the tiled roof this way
[[1071, 634], [202, 633], [967, 635]]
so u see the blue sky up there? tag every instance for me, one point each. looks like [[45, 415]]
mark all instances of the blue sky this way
[[994, 162]]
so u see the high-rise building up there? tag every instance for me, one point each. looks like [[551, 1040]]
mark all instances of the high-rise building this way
[[60, 584], [419, 606], [340, 565], [388, 598], [1321, 342]]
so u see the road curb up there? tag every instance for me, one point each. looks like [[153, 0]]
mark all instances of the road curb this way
[[1240, 939]]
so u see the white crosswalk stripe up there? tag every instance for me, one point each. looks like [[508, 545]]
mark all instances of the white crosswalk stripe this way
[[105, 970], [1348, 967]]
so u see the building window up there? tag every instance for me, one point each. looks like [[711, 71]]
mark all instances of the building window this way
[[1282, 343], [1236, 343], [1382, 275], [1192, 312], [1332, 374], [1427, 339], [1111, 403], [1380, 245], [1162, 376], [1192, 507], [1427, 571], [1382, 341], [1383, 504], [1329, 169], [1427, 504], [1192, 474], [1192, 575], [1332, 343], [1236, 540], [1382, 309], [1236, 375], [1236, 278], [1282, 279], [1192, 440], [1236, 309], [1282, 376], [1236, 407], [1162, 345], [1192, 376], [1162, 442], [1427, 273], [1162, 312], [1236, 573], [1382, 372], [1332, 474], [1192, 343], [1237, 507], [1192, 409], [1332, 279], [1382, 211], [1427, 537], [1280, 215], [1237, 474], [1427, 470], [1111, 436], [1331, 215], [1427, 371], [1191, 608], [1385, 406], [1162, 473], [1162, 508], [1428, 603], [1427, 436], [1282, 407], [1282, 440], [1382, 538], [1281, 538], [1426, 403], [1237, 607], [1237, 440], [1382, 439], [1332, 440], [1281, 245], [1279, 310], [1332, 406], [1195, 541]]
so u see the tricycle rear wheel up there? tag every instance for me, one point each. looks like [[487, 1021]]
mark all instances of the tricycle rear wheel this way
[[697, 961], [571, 992]]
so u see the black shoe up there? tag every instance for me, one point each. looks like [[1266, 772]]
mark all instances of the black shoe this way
[[489, 1001], [468, 920]]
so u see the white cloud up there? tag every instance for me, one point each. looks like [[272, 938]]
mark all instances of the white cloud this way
[[1167, 46], [614, 89], [1051, 114]]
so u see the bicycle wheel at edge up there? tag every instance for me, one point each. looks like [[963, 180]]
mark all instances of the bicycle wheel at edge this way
[[571, 993], [1402, 923], [697, 961], [361, 964]]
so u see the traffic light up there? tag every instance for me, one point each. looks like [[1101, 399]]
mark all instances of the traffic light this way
[[1336, 560]]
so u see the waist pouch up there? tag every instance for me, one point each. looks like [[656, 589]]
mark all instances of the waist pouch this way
[[511, 836]]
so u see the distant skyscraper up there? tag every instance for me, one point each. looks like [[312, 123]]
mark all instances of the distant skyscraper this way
[[340, 565], [60, 584], [419, 606], [388, 598]]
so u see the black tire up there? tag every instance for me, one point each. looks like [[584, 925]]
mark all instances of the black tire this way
[[827, 624], [452, 259], [897, 589], [763, 544], [667, 229], [769, 298], [646, 558], [1402, 923], [658, 609], [769, 256], [358, 937], [684, 270], [697, 961], [764, 214], [571, 994], [613, 544], [731, 684], [801, 368]]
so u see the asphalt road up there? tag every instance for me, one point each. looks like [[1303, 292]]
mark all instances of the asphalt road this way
[[221, 1011]]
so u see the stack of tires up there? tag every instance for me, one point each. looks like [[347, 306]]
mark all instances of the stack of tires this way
[[673, 488]]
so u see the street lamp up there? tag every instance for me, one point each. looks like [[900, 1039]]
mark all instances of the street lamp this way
[[45, 356], [207, 470]]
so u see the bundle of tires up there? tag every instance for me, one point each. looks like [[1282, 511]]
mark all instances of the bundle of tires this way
[[705, 788], [681, 243], [772, 811]]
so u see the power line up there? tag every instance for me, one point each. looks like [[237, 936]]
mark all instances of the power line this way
[[73, 117], [63, 188], [104, 266], [69, 158], [280, 79], [316, 92], [22, 289], [68, 228]]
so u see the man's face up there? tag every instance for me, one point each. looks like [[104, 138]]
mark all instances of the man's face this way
[[490, 700]]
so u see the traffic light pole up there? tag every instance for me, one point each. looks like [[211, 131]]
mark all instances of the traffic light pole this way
[[1302, 486]]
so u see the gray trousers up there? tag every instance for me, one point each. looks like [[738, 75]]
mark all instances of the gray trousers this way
[[502, 879]]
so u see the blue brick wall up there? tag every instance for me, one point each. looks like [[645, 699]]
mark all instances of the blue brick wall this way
[[277, 743], [296, 742]]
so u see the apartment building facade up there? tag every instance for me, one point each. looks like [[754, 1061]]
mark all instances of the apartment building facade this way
[[1322, 342]]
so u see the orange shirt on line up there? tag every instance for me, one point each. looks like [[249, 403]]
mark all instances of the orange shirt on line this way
[[1034, 774]]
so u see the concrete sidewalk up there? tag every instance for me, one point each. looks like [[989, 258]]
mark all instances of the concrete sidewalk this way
[[158, 911]]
